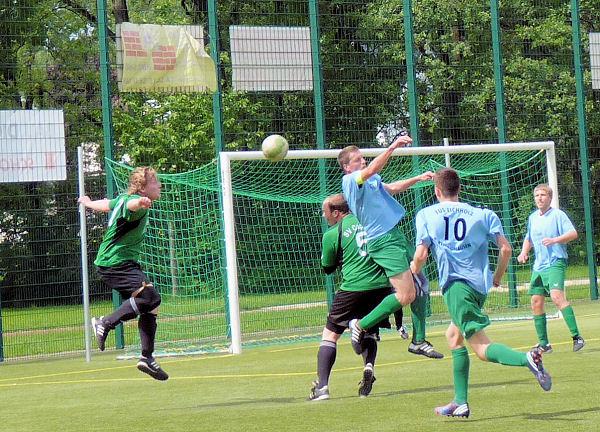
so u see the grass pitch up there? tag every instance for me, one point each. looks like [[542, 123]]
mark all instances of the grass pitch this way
[[265, 389]]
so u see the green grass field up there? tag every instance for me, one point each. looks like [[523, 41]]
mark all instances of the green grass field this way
[[265, 389]]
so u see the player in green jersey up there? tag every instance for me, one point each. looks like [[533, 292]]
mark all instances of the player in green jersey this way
[[118, 267], [364, 285]]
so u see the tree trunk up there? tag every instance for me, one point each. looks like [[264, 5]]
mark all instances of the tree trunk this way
[[120, 11]]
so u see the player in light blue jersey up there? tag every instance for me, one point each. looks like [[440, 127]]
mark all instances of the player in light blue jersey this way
[[373, 204], [459, 235], [548, 232]]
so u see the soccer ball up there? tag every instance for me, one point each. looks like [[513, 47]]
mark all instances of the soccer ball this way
[[275, 147]]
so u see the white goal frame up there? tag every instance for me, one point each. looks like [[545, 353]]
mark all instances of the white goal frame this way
[[225, 159]]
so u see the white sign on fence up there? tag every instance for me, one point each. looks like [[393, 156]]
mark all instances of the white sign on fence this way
[[595, 59], [271, 58], [32, 146]]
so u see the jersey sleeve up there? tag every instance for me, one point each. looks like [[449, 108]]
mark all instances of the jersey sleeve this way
[[113, 202], [422, 234], [351, 189], [494, 226], [329, 251], [564, 223], [132, 215], [528, 233]]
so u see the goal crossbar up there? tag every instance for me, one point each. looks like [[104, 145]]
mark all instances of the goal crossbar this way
[[404, 151]]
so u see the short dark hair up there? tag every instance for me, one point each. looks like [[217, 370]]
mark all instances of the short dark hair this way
[[344, 155], [338, 202], [448, 181]]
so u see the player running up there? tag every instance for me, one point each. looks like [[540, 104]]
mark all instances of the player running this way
[[459, 235]]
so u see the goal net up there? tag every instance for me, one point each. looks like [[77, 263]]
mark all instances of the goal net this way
[[236, 254]]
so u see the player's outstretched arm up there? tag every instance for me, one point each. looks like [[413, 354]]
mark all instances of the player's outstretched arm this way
[[402, 185], [139, 203], [504, 254], [102, 205], [380, 161]]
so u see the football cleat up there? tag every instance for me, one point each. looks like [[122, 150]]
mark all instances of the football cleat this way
[[151, 367], [578, 343], [454, 410], [100, 332], [534, 362], [318, 394], [403, 332], [366, 384], [356, 335], [545, 349], [424, 348]]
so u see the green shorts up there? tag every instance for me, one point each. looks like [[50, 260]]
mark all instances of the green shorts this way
[[552, 278], [391, 252], [464, 305]]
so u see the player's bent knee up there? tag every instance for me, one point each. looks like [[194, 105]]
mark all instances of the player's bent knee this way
[[330, 336], [148, 299], [454, 337]]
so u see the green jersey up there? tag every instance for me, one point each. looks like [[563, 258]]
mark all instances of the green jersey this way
[[359, 271], [123, 238]]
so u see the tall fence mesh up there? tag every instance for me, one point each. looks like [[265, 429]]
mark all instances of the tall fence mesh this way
[[359, 92]]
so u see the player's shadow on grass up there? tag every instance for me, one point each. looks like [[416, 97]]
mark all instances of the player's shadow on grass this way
[[546, 416], [234, 403], [556, 414], [448, 388]]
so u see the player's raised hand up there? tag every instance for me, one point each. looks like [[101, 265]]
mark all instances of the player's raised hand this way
[[401, 141], [428, 175]]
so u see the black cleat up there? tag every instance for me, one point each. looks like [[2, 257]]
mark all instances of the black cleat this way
[[366, 384], [151, 367], [100, 332]]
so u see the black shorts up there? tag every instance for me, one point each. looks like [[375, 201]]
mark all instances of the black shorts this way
[[348, 305], [126, 278]]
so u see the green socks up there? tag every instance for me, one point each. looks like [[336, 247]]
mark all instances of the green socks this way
[[418, 310], [461, 365], [388, 306], [540, 327], [569, 317], [500, 353]]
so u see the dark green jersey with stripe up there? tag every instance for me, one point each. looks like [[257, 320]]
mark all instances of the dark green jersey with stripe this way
[[125, 233], [359, 271]]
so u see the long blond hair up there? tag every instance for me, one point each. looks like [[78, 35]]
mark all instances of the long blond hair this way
[[139, 178]]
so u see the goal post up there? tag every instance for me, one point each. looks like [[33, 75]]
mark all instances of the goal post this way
[[528, 164]]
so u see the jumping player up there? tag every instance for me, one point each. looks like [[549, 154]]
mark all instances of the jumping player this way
[[118, 267]]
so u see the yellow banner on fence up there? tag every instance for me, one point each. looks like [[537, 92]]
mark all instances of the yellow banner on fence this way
[[164, 58]]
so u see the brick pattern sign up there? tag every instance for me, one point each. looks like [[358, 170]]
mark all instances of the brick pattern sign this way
[[155, 57]]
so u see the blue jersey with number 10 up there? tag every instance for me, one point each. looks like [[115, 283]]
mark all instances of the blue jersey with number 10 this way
[[459, 235]]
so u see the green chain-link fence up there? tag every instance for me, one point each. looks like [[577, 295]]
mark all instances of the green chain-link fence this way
[[469, 72]]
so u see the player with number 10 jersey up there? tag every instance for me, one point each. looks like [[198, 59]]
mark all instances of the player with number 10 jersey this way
[[460, 235]]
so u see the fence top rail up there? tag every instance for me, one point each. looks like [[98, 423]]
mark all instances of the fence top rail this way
[[405, 151]]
